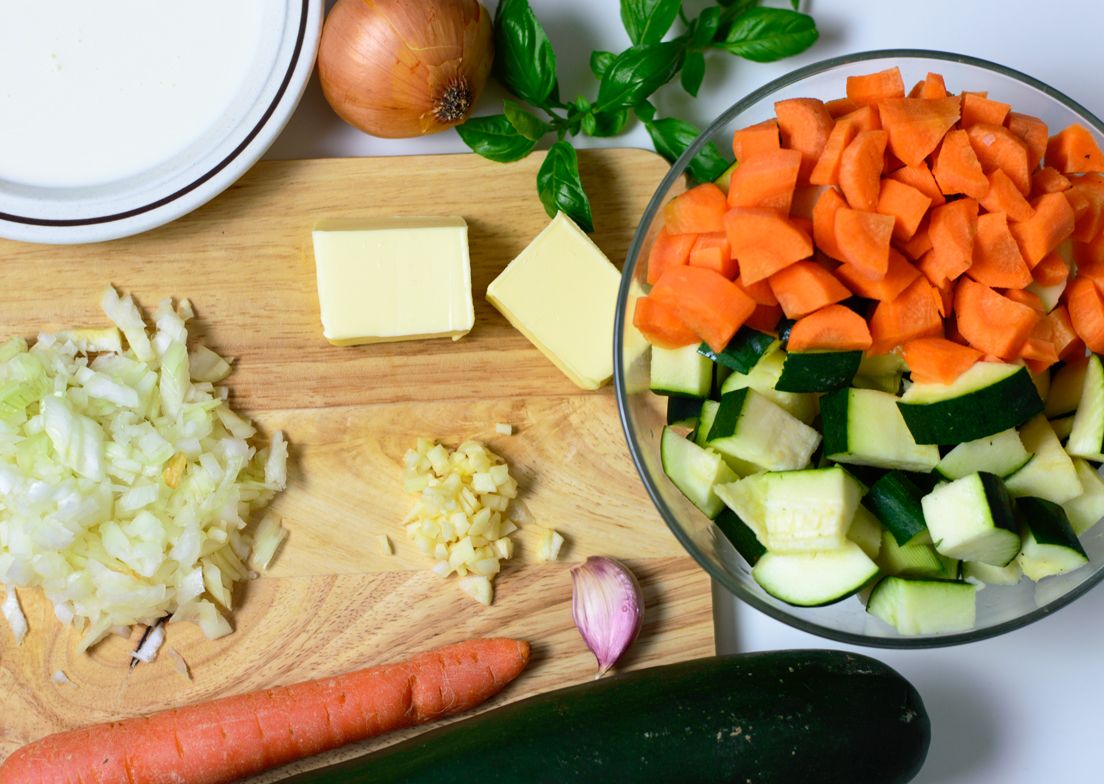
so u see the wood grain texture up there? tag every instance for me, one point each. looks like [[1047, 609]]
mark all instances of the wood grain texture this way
[[332, 600]]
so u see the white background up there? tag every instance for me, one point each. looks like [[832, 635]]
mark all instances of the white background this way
[[1025, 707]]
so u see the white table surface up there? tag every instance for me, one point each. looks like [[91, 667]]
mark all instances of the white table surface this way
[[1024, 707]]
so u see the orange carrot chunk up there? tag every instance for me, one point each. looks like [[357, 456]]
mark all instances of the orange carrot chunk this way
[[1086, 310], [1057, 328], [953, 228], [233, 738], [898, 277], [906, 204], [804, 125], [1048, 180], [661, 325], [938, 360], [760, 291], [915, 313], [865, 118], [861, 169], [764, 241], [957, 169], [863, 238], [824, 222], [920, 177], [997, 261], [1052, 223], [875, 87], [1051, 270], [826, 170], [916, 125], [711, 305], [1038, 354], [712, 251], [1004, 196], [1086, 253], [990, 322], [1034, 133], [668, 250], [701, 209], [933, 86], [838, 107], [765, 179], [996, 147], [765, 318], [978, 109], [1074, 150], [833, 328], [761, 137], [1090, 222], [919, 244], [804, 200], [806, 286], [1025, 297]]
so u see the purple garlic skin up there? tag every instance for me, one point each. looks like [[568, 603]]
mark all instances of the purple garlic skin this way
[[608, 606]]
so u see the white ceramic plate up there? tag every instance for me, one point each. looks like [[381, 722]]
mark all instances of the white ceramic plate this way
[[121, 115]]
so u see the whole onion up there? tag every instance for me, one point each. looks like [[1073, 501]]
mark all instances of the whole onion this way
[[400, 68]]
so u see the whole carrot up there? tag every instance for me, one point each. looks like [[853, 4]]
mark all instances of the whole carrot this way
[[234, 737]]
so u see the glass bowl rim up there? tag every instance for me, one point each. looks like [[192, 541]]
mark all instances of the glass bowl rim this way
[[635, 449]]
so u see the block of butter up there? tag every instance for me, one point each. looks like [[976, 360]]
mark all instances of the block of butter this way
[[393, 279], [561, 293]]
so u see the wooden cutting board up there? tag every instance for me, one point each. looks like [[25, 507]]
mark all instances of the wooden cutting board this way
[[332, 600]]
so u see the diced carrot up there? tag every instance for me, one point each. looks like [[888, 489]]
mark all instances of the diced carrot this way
[[933, 86], [832, 328], [919, 244], [1086, 253], [804, 125], [916, 125], [712, 251], [906, 204], [668, 250], [1051, 270], [1024, 297], [1048, 180], [1090, 223], [863, 238], [865, 118], [765, 179], [1051, 224], [1038, 354], [990, 322], [1034, 133], [824, 222], [760, 291], [761, 137], [937, 269], [938, 360], [1057, 328], [898, 277], [861, 169], [875, 87], [921, 178], [805, 224], [1080, 205], [764, 241], [661, 325], [805, 199], [997, 261], [977, 109], [957, 169], [806, 286], [996, 147], [765, 318], [1086, 311], [1074, 150], [838, 107], [953, 228], [826, 170], [711, 305], [701, 209], [1004, 196], [915, 313]]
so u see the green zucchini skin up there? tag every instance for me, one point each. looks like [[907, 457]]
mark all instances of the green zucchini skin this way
[[772, 718], [818, 371]]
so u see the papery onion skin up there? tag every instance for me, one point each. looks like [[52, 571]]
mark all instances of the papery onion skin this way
[[403, 68]]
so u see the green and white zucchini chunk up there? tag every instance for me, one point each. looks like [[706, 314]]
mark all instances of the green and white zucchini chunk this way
[[865, 426], [681, 372], [972, 519]]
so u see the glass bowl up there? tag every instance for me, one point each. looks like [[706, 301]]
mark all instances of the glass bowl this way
[[643, 414]]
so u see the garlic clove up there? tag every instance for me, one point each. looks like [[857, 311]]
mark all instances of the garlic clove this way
[[608, 606]]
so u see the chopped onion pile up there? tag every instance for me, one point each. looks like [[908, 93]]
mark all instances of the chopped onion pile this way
[[126, 481], [460, 518]]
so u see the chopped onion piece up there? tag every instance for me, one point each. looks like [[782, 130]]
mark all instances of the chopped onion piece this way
[[504, 429], [147, 651], [13, 614], [268, 538], [61, 679]]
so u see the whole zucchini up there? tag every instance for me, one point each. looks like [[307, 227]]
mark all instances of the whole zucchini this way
[[784, 716]]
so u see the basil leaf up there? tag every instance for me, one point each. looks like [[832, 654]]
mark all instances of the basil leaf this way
[[647, 21], [645, 111], [768, 34], [528, 125], [705, 27], [609, 123], [560, 188], [795, 4], [693, 71], [494, 137], [672, 137], [524, 60], [637, 73], [600, 62]]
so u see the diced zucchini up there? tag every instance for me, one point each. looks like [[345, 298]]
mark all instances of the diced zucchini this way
[[896, 501], [818, 371], [741, 536], [755, 434], [912, 560], [971, 519], [705, 421], [988, 574], [1001, 454], [743, 351], [762, 379], [683, 411], [720, 375], [1087, 509], [924, 606], [1065, 389], [1050, 295], [694, 471], [986, 399], [1050, 474], [746, 497], [1050, 545], [1062, 427], [882, 372], [866, 532], [1086, 439], [813, 579], [681, 372], [1042, 383], [865, 426], [725, 177]]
